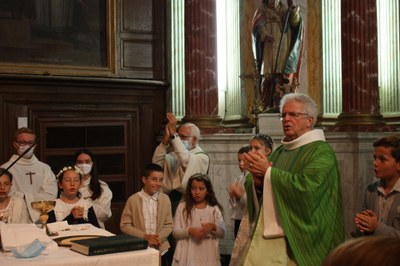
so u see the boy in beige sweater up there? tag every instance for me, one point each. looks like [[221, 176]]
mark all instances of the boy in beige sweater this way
[[147, 213]]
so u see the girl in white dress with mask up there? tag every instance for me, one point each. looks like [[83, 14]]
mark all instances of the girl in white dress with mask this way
[[92, 188]]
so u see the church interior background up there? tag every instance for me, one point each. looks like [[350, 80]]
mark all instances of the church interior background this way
[[186, 56]]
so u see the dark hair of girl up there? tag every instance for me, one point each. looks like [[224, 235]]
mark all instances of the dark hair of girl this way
[[94, 184], [4, 171], [210, 197], [265, 139]]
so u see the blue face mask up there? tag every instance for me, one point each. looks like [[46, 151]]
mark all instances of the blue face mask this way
[[30, 250], [186, 144]]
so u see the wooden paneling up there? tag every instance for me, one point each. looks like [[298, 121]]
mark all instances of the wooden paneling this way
[[141, 38], [137, 16], [60, 105], [135, 49], [130, 92]]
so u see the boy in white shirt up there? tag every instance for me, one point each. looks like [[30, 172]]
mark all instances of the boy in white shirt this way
[[147, 213]]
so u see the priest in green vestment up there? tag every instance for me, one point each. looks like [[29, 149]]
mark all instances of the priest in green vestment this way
[[301, 216]]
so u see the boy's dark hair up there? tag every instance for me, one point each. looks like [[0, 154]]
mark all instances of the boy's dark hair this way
[[244, 149], [4, 171], [390, 142], [152, 167]]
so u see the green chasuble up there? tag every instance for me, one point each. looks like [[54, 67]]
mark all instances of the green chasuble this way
[[306, 186]]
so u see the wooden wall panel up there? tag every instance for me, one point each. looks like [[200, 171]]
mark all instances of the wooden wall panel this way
[[64, 101], [134, 50], [133, 88], [137, 16], [141, 38]]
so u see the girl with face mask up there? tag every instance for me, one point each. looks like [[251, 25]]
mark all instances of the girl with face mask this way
[[92, 187]]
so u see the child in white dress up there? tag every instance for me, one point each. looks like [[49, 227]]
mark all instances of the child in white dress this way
[[12, 208], [237, 194], [198, 224], [70, 206]]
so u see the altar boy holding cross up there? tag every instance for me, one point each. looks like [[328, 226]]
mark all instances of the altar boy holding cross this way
[[33, 179]]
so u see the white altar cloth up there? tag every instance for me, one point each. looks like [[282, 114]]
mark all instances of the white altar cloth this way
[[54, 255], [63, 256]]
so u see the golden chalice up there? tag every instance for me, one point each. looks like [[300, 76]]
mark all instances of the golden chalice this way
[[44, 206]]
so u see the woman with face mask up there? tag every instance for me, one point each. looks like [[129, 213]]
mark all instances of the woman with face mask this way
[[92, 187]]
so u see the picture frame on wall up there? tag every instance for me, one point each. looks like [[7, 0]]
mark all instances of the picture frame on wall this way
[[57, 37]]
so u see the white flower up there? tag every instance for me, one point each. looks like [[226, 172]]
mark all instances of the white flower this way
[[66, 168]]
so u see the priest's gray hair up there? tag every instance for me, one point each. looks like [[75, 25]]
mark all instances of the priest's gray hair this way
[[310, 107]]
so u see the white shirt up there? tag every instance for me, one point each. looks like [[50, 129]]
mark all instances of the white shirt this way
[[63, 209], [149, 211]]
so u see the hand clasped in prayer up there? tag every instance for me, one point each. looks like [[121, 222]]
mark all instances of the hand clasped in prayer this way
[[78, 212], [257, 164]]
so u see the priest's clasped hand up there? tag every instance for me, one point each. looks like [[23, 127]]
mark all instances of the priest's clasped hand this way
[[256, 163]]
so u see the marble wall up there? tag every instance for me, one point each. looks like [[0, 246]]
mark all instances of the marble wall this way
[[354, 153]]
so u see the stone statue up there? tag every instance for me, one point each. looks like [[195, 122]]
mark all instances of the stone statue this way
[[277, 33]]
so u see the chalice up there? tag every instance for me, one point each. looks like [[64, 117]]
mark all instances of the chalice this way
[[44, 206]]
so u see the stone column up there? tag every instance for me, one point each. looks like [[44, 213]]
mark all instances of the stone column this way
[[201, 90], [360, 92]]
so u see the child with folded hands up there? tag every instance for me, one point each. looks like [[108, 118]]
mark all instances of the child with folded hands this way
[[147, 213], [70, 206], [198, 225]]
